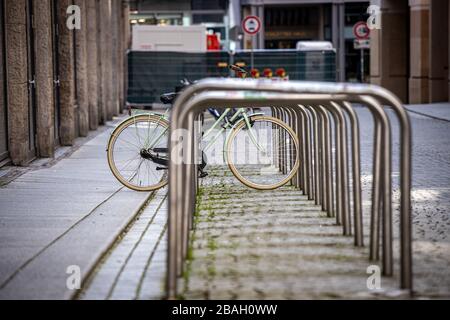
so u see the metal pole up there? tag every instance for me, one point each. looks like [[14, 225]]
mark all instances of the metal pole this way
[[338, 168], [386, 185], [328, 172], [342, 153], [362, 65], [307, 90], [305, 151], [356, 165], [317, 182]]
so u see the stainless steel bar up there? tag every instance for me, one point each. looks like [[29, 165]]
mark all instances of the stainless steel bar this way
[[338, 167], [293, 123], [280, 145], [309, 170], [328, 162], [317, 182], [388, 265], [275, 140], [356, 166], [326, 153], [323, 183], [344, 182], [333, 90], [376, 175], [312, 156], [304, 150]]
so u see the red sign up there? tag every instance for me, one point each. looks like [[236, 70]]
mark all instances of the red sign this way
[[213, 42], [361, 30], [251, 25]]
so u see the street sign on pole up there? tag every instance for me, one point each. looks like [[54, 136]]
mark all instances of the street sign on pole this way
[[252, 26], [361, 30], [362, 34], [361, 44]]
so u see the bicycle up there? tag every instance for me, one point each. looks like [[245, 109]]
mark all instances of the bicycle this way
[[138, 148]]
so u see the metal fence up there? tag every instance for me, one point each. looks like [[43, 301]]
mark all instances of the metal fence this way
[[312, 109], [154, 73]]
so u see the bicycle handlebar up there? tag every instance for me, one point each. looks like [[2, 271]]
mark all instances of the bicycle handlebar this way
[[236, 68]]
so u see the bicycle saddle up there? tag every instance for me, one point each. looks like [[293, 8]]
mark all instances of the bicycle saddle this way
[[168, 98]]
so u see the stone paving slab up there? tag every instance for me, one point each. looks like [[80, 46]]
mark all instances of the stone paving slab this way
[[283, 249], [59, 215], [240, 251], [437, 110], [134, 268], [430, 196]]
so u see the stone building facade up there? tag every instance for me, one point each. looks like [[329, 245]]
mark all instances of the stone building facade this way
[[410, 53], [58, 83]]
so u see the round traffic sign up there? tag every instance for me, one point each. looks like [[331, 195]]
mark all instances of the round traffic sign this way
[[251, 25], [361, 30]]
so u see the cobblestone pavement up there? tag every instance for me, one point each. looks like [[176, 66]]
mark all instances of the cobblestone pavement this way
[[134, 268], [430, 194], [277, 245]]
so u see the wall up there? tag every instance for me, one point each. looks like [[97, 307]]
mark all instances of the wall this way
[[78, 74]]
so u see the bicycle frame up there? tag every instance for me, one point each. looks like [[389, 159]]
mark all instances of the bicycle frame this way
[[217, 124]]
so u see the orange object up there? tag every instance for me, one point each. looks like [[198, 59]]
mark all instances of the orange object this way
[[240, 74], [268, 73], [255, 73], [281, 72]]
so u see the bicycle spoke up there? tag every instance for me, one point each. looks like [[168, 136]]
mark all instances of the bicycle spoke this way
[[264, 155], [126, 160]]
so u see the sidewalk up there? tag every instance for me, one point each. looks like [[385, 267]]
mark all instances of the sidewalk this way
[[271, 245], [435, 110], [276, 245], [68, 214]]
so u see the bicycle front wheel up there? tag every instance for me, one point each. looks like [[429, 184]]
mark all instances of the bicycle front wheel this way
[[138, 154], [263, 155]]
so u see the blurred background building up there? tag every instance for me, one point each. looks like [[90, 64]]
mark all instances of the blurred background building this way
[[57, 84], [409, 55]]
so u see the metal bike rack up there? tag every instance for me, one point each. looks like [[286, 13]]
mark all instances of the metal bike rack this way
[[310, 108]]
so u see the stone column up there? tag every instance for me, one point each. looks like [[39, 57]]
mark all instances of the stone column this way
[[261, 34], [100, 62], [81, 70], [115, 57], [127, 43], [389, 48], [106, 57], [338, 38], [17, 79], [121, 58], [419, 51], [335, 33], [109, 65], [45, 103], [341, 50], [92, 76], [66, 73], [448, 39], [438, 48]]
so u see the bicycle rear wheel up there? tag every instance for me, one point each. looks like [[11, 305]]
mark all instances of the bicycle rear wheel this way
[[129, 150], [264, 156]]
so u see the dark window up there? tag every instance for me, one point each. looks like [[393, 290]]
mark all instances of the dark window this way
[[209, 4], [291, 16], [355, 12], [205, 18]]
